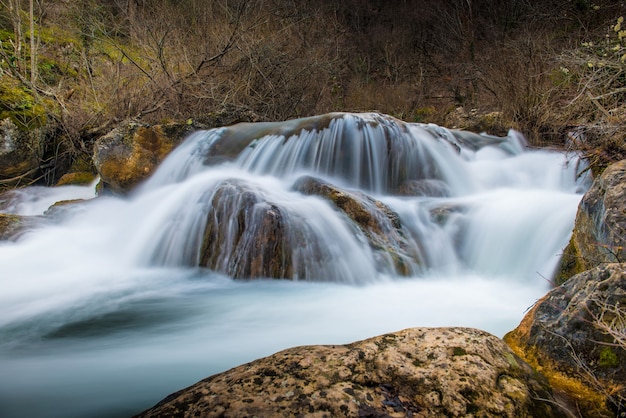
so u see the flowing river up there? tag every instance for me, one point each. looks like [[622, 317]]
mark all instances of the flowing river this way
[[109, 305]]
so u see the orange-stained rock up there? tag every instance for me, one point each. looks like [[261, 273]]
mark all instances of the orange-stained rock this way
[[129, 154]]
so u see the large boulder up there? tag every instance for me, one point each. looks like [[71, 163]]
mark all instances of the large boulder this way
[[132, 151], [576, 336], [20, 153], [452, 372], [599, 234]]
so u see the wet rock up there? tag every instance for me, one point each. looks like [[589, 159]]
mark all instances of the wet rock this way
[[82, 178], [249, 236], [20, 153], [380, 226], [131, 152], [426, 187], [599, 234], [11, 226], [419, 372], [236, 138], [245, 236], [576, 336]]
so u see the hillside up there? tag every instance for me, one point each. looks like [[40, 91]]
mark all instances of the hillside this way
[[551, 69]]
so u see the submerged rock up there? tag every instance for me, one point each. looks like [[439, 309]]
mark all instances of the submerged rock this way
[[599, 234], [576, 336], [379, 225], [419, 372], [11, 226], [427, 187], [245, 236]]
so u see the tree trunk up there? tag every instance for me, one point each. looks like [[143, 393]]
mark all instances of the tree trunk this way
[[33, 52], [14, 10]]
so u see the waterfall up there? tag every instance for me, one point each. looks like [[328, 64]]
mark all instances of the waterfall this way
[[372, 224]]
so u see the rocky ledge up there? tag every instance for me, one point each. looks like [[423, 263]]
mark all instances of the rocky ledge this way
[[418, 372]]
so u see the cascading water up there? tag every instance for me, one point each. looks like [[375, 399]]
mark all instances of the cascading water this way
[[111, 304]]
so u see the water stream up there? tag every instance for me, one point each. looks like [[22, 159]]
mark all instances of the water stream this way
[[109, 305]]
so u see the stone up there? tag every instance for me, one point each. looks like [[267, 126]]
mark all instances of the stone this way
[[249, 236], [476, 121], [570, 336], [599, 234], [131, 152], [380, 225], [245, 236], [11, 226], [20, 153], [82, 178], [418, 372]]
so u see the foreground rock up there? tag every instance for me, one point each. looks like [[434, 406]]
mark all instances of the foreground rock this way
[[420, 372], [576, 336], [599, 234]]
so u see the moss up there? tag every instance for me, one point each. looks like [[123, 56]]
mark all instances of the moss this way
[[418, 363], [570, 264], [423, 114], [459, 351], [55, 34], [510, 358], [18, 103], [76, 179], [568, 387], [608, 358]]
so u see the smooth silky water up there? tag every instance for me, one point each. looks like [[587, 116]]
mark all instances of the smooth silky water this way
[[104, 309]]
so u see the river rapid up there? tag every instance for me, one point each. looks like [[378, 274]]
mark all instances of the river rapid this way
[[105, 308]]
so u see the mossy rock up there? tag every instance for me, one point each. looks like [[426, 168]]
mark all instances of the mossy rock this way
[[9, 226], [564, 336], [130, 153], [20, 153], [599, 234], [82, 178]]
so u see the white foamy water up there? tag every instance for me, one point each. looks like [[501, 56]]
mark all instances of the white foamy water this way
[[104, 309]]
